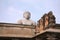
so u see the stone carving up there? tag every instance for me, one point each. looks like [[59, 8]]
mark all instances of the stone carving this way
[[45, 19], [51, 18], [41, 24], [48, 21], [26, 20], [39, 27]]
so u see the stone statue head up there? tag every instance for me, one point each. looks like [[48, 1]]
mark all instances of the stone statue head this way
[[46, 17], [50, 13], [27, 15]]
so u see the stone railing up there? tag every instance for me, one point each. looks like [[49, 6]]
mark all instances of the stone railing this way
[[16, 30]]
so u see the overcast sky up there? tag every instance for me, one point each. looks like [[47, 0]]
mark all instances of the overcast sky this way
[[12, 10]]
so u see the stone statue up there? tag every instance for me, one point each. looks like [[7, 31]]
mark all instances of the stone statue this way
[[26, 20], [51, 18], [46, 20]]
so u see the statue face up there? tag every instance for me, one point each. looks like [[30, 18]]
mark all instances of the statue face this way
[[27, 15]]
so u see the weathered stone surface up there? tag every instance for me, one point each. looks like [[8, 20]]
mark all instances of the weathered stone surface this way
[[48, 21], [12, 30]]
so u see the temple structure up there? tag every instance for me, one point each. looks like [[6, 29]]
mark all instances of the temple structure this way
[[46, 29]]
